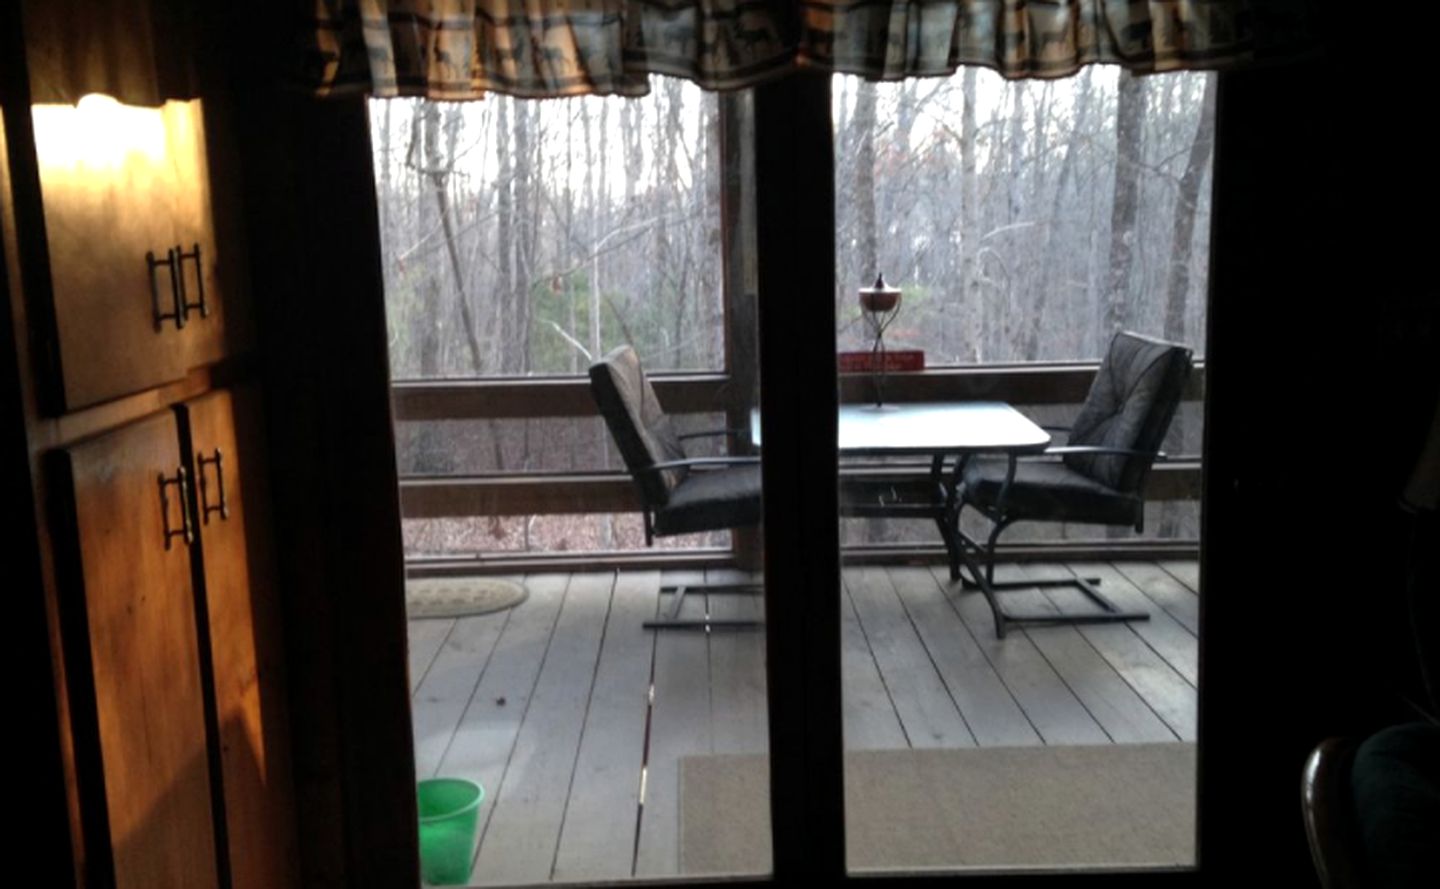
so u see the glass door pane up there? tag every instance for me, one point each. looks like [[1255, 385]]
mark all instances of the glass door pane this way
[[528, 245], [1019, 227]]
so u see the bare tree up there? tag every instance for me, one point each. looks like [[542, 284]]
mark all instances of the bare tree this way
[[1125, 205]]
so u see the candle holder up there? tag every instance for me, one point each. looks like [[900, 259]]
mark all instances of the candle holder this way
[[879, 304]]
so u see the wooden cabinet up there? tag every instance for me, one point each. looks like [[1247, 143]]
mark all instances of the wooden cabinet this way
[[136, 693], [135, 274], [235, 574], [176, 653]]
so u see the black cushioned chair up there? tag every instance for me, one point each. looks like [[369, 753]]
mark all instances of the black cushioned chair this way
[[678, 494], [1097, 476]]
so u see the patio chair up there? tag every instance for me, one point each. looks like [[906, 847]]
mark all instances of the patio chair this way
[[1098, 476], [678, 494]]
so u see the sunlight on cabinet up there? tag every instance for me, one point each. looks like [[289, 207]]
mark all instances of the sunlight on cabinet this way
[[99, 133], [133, 256]]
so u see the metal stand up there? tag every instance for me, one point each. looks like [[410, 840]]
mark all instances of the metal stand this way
[[877, 321], [673, 621], [969, 554]]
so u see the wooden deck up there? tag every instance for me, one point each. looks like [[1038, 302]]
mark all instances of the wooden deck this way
[[560, 706]]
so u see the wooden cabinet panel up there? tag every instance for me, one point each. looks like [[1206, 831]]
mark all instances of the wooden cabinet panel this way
[[245, 638], [137, 621], [105, 208], [122, 188], [204, 339]]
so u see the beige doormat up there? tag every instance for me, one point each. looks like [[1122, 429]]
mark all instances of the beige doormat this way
[[998, 807], [460, 596]]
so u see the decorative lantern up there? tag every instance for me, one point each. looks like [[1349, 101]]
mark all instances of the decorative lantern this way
[[879, 304]]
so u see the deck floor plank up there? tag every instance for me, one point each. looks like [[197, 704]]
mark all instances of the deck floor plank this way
[[426, 637], [737, 673], [1122, 714], [1185, 571], [1052, 708], [485, 738], [1165, 591], [597, 841], [554, 697], [990, 711], [871, 722], [1169, 638], [1163, 690], [449, 684], [1162, 633], [679, 727], [927, 711], [524, 830]]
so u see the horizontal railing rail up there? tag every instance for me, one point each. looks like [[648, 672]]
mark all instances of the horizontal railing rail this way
[[600, 492], [695, 393]]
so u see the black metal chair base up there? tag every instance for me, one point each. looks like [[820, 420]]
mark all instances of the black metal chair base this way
[[1109, 613], [673, 621]]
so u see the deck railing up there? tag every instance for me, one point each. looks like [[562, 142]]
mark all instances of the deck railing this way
[[548, 493]]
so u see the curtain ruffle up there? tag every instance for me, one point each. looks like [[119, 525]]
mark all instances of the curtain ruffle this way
[[461, 49]]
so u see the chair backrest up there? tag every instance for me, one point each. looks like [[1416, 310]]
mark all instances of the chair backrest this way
[[642, 432], [1130, 405]]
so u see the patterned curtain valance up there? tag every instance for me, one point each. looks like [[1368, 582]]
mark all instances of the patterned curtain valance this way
[[461, 49]]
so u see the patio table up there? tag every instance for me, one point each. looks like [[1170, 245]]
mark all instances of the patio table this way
[[939, 430]]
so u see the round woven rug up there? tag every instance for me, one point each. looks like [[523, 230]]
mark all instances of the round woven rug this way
[[461, 596]]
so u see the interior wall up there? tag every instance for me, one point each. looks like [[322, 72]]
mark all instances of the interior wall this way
[[1322, 374]]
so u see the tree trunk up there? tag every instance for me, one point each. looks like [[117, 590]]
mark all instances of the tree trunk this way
[[971, 299], [1030, 350], [1129, 117], [1177, 289], [864, 124]]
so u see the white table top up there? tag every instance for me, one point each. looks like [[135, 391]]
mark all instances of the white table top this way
[[958, 427]]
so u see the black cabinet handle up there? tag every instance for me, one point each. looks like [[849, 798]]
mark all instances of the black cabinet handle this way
[[201, 461], [185, 304], [177, 297], [186, 531]]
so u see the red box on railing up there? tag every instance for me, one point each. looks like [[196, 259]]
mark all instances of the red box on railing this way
[[895, 360]]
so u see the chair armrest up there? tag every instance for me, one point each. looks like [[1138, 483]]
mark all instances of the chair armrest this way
[[1055, 428], [700, 462], [710, 433], [1102, 449]]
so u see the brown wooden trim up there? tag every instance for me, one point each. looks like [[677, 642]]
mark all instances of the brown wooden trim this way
[[515, 563], [574, 494], [517, 495], [694, 559], [1040, 383], [543, 397]]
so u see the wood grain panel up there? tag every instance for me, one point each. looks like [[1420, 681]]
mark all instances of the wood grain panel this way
[[203, 341], [139, 620], [106, 205], [246, 647]]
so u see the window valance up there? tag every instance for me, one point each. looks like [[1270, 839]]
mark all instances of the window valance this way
[[461, 49]]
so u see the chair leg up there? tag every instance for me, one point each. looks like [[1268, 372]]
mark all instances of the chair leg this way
[[982, 577], [673, 621]]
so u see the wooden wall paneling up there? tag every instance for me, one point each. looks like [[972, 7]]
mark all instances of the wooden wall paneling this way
[[240, 599], [147, 782]]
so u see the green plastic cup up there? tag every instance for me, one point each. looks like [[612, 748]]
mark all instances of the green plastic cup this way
[[449, 816]]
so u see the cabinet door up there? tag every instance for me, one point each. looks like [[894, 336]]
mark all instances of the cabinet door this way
[[208, 334], [246, 653], [128, 219], [106, 183], [134, 660]]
